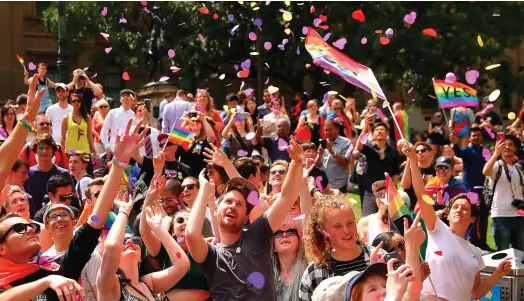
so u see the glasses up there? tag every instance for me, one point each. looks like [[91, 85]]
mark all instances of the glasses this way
[[61, 215], [134, 239], [180, 220], [420, 151], [44, 124], [188, 186], [103, 107], [288, 232], [21, 228], [440, 167], [400, 246], [380, 193], [75, 100], [64, 198], [279, 171], [168, 144]]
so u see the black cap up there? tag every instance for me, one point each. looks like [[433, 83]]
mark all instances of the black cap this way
[[244, 187], [374, 269], [128, 91], [444, 161]]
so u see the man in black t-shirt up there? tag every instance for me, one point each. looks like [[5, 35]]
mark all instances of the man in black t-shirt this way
[[84, 87]]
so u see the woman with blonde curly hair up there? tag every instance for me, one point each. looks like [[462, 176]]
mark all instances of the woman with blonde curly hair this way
[[331, 243]]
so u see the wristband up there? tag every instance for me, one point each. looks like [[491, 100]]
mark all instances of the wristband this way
[[120, 163], [124, 213], [313, 190], [23, 122]]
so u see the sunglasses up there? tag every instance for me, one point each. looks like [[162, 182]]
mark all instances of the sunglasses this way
[[280, 171], [103, 107], [380, 193], [422, 150], [134, 239], [74, 100], [44, 124], [61, 215], [188, 186], [168, 144], [400, 246], [21, 228], [180, 220], [288, 232], [440, 167], [64, 198]]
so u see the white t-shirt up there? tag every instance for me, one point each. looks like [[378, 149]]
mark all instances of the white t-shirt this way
[[56, 114], [454, 263], [88, 275], [502, 196]]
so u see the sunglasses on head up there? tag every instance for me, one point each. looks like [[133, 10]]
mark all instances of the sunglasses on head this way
[[188, 186], [134, 239], [21, 228], [441, 167], [280, 171], [422, 150], [288, 232]]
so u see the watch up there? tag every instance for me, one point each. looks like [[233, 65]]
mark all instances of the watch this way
[[120, 163], [313, 190]]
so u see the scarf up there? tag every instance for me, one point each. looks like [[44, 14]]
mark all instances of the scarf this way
[[10, 271]]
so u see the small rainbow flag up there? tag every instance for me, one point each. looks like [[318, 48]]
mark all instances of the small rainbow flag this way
[[127, 177], [181, 136], [403, 122], [396, 206], [21, 60], [455, 94]]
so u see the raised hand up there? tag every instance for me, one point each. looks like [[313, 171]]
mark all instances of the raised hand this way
[[310, 164], [153, 193], [129, 142], [398, 280], [124, 202], [154, 217], [215, 156], [499, 147], [296, 153], [202, 178], [504, 267], [33, 99], [65, 288], [158, 163], [414, 235]]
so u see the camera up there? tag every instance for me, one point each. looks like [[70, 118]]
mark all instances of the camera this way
[[323, 143], [192, 114], [518, 203]]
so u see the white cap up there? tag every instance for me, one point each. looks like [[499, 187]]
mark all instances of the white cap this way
[[333, 289], [332, 93]]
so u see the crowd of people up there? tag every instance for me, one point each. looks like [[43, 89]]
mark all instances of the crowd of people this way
[[99, 205]]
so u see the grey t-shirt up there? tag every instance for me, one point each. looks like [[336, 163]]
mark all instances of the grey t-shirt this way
[[227, 268]]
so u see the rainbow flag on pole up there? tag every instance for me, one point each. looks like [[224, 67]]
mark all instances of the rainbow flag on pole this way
[[396, 206], [329, 58], [455, 94], [181, 136]]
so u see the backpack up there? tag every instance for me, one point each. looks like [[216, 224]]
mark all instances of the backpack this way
[[489, 190]]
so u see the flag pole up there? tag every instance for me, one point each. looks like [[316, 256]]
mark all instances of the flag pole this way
[[443, 111], [386, 103], [168, 135]]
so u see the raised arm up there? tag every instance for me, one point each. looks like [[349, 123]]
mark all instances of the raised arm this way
[[488, 168], [63, 129], [258, 135], [27, 81], [406, 176], [195, 242], [210, 134], [15, 142], [151, 241], [163, 280], [289, 194], [104, 133], [414, 237], [226, 132], [305, 197], [365, 129], [107, 281], [480, 289], [218, 157]]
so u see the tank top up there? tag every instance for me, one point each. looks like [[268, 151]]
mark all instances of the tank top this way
[[77, 135], [125, 295], [374, 229], [45, 101]]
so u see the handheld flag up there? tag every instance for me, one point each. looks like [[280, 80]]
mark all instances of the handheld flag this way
[[181, 136], [21, 60], [396, 206], [455, 94], [403, 125], [329, 58]]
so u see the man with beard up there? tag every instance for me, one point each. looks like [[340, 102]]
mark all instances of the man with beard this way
[[241, 256], [275, 145], [265, 108]]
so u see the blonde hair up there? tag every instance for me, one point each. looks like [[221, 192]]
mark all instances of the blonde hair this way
[[209, 107], [312, 102], [316, 244]]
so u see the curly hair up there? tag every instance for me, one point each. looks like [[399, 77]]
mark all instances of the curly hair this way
[[315, 243]]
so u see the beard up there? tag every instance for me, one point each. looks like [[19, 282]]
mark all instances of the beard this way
[[230, 227]]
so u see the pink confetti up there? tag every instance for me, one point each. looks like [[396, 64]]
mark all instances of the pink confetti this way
[[267, 45], [363, 41], [318, 183], [363, 138], [490, 132], [473, 197], [200, 108], [253, 198], [252, 36], [175, 69], [282, 144], [108, 49], [450, 78], [410, 18], [31, 66], [104, 11], [242, 153], [326, 234], [180, 239], [410, 90], [340, 43], [327, 36], [486, 153], [201, 37], [105, 35], [472, 76], [171, 53], [122, 19], [163, 78]]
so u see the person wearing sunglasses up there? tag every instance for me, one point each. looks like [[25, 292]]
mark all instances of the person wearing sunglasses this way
[[102, 106], [289, 261], [372, 225], [118, 277], [59, 191], [77, 128], [425, 163]]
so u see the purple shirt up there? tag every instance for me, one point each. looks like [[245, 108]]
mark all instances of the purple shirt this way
[[173, 112]]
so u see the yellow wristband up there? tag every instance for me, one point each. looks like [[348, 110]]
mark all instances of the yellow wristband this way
[[24, 124]]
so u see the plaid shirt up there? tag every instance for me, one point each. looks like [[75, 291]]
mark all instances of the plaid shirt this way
[[313, 275]]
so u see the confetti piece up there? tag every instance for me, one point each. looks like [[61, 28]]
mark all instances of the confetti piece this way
[[257, 279], [201, 37], [300, 217], [472, 76], [511, 116], [473, 197], [378, 31], [108, 49], [230, 18], [267, 45], [175, 69], [95, 219], [410, 90], [363, 138], [257, 22], [389, 32], [287, 31], [243, 74], [282, 144], [138, 34], [31, 66], [122, 19], [479, 40], [200, 108], [105, 35], [318, 183], [323, 18], [215, 16], [327, 36], [163, 78], [439, 253], [272, 89], [430, 32], [384, 40], [254, 53], [144, 3], [428, 199], [486, 153], [171, 53], [104, 11], [494, 95], [358, 15], [308, 65], [287, 16], [252, 36], [241, 152], [326, 234], [253, 198], [180, 239], [178, 255], [410, 18], [287, 3], [125, 76], [450, 78], [492, 66], [250, 136], [317, 22], [235, 28], [245, 64], [340, 43], [311, 9], [432, 96], [364, 40], [240, 2]]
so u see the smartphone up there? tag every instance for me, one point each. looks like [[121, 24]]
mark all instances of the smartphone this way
[[399, 223], [147, 103], [243, 114], [389, 256], [500, 136], [323, 143], [192, 114]]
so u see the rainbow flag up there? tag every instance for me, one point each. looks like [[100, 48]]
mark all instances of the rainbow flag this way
[[403, 122], [396, 206], [329, 58], [21, 60], [127, 177], [455, 94], [181, 136]]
